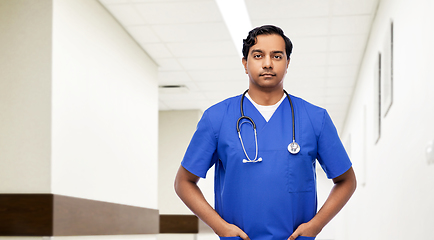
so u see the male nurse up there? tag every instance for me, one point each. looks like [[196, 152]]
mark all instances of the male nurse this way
[[274, 198]]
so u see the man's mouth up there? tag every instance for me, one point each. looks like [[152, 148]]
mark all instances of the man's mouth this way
[[267, 74]]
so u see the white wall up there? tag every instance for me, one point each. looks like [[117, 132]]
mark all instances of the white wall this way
[[395, 196], [25, 86], [78, 106], [104, 109], [175, 131]]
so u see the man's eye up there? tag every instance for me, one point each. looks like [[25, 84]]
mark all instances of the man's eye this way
[[278, 57], [257, 56]]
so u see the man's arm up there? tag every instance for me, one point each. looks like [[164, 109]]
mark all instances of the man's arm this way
[[187, 189], [344, 187]]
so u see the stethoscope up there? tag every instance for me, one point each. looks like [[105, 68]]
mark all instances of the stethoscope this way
[[293, 147]]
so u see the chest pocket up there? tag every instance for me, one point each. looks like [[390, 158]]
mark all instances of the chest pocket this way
[[301, 174]]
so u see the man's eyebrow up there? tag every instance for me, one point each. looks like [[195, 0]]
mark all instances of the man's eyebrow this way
[[260, 51], [257, 50]]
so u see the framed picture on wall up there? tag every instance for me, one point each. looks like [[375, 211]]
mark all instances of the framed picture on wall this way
[[377, 99], [387, 72]]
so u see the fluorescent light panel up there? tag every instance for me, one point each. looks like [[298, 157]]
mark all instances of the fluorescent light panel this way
[[237, 20]]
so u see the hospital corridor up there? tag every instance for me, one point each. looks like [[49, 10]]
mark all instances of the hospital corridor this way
[[100, 99]]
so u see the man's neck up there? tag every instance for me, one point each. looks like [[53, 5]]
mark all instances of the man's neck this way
[[266, 98]]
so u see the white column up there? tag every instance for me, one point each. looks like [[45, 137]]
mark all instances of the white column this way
[[175, 131], [105, 109], [25, 96], [78, 106]]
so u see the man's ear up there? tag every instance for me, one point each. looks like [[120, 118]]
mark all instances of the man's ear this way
[[287, 65], [244, 64]]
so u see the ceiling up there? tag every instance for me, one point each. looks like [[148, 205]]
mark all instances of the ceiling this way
[[190, 42]]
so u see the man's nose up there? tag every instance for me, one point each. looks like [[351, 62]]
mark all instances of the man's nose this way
[[267, 63]]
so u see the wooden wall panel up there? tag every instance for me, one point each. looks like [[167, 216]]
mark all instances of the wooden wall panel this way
[[26, 214], [179, 224], [56, 215], [74, 216]]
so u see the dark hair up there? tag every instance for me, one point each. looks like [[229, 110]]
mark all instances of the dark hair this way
[[265, 30]]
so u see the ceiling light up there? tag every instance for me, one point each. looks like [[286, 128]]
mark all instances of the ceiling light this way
[[237, 20]]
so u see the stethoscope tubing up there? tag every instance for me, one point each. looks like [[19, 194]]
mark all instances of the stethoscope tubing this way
[[242, 114], [253, 122], [292, 115], [250, 120]]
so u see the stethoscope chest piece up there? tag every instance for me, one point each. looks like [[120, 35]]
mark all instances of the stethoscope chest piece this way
[[293, 148]]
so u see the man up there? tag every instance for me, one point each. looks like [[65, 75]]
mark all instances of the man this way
[[263, 188]]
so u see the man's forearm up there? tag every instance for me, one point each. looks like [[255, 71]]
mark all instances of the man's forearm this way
[[343, 189], [193, 198], [187, 189]]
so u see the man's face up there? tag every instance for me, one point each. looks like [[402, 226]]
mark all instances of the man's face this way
[[267, 63]]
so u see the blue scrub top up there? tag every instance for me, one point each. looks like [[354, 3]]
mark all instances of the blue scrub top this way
[[269, 199]]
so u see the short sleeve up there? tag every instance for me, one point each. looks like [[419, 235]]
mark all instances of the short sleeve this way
[[201, 153], [331, 152]]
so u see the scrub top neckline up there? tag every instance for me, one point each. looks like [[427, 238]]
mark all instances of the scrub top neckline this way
[[265, 110]]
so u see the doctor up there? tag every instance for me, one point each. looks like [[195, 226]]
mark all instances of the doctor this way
[[265, 190]]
